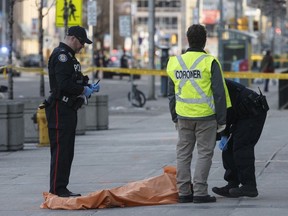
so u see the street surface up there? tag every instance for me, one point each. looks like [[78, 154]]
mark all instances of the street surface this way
[[137, 145]]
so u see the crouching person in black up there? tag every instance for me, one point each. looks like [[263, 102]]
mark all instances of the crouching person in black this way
[[244, 124], [69, 90]]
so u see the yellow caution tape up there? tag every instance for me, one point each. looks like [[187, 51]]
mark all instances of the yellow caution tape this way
[[243, 75], [228, 74], [128, 71], [252, 75], [25, 69]]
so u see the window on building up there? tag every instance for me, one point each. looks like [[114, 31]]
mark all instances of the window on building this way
[[142, 3], [160, 3]]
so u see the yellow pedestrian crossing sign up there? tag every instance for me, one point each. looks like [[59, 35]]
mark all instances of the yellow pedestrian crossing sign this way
[[70, 10]]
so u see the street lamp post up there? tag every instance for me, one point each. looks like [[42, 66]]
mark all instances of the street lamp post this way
[[40, 42], [10, 36], [3, 38], [151, 28], [111, 17], [220, 32]]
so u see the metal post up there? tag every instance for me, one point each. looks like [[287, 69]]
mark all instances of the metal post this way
[[66, 14], [111, 27], [273, 28], [4, 21], [199, 6], [236, 14], [40, 42], [132, 60], [151, 29], [10, 38], [220, 31]]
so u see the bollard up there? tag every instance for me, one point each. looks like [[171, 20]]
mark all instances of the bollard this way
[[102, 112], [31, 134], [91, 113], [43, 128], [3, 128], [81, 121], [12, 126], [15, 126], [283, 93]]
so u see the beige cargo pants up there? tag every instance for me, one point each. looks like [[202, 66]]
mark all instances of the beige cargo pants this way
[[191, 132]]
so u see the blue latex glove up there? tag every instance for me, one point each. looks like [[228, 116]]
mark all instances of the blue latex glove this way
[[223, 143], [95, 87], [87, 91]]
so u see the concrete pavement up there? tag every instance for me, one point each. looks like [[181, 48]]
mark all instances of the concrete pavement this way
[[138, 144]]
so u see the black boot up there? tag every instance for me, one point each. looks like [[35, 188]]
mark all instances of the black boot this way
[[223, 191], [245, 190]]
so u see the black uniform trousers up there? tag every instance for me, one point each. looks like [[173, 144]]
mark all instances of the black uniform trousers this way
[[239, 158], [62, 121]]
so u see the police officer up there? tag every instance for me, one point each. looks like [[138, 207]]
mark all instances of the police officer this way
[[198, 99], [245, 121], [69, 90]]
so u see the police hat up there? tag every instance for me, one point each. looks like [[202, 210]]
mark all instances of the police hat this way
[[79, 33]]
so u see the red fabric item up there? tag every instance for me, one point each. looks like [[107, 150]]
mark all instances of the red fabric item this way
[[152, 191]]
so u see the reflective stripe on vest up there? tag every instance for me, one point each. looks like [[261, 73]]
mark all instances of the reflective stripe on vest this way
[[204, 98]]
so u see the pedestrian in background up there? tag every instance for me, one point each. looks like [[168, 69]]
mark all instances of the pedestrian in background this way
[[124, 62], [198, 100], [69, 90], [267, 66], [244, 124]]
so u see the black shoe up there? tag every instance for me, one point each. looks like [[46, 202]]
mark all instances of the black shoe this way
[[204, 199], [223, 191], [185, 199], [68, 194], [248, 191]]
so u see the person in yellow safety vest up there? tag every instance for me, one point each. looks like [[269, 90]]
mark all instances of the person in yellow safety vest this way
[[198, 100]]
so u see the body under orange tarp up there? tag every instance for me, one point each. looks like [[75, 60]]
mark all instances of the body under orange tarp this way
[[152, 191]]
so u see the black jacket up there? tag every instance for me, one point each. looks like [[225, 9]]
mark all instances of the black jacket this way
[[246, 103], [65, 75]]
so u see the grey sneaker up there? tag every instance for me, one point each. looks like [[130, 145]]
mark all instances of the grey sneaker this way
[[248, 191]]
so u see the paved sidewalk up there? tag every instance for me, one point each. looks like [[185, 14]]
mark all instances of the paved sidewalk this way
[[138, 144]]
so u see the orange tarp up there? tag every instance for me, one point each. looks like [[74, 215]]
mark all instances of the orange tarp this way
[[152, 191]]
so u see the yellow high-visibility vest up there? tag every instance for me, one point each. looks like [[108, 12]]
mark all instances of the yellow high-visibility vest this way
[[191, 74]]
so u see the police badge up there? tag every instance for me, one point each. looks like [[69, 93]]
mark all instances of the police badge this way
[[62, 58]]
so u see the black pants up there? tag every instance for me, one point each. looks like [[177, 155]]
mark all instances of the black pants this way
[[239, 158], [62, 121]]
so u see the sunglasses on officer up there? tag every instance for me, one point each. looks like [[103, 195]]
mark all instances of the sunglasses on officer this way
[[82, 42]]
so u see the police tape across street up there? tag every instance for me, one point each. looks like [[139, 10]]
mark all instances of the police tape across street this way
[[143, 71]]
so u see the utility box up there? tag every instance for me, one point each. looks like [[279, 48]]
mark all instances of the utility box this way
[[283, 93]]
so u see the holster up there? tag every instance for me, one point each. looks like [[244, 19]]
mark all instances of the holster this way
[[73, 102], [78, 103]]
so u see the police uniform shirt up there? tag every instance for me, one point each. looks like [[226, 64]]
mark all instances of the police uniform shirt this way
[[63, 68], [63, 72]]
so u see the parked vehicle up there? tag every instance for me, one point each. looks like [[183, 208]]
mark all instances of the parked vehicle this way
[[31, 60], [4, 61], [115, 61]]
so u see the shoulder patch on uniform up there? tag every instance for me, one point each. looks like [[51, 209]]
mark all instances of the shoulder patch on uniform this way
[[62, 58]]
